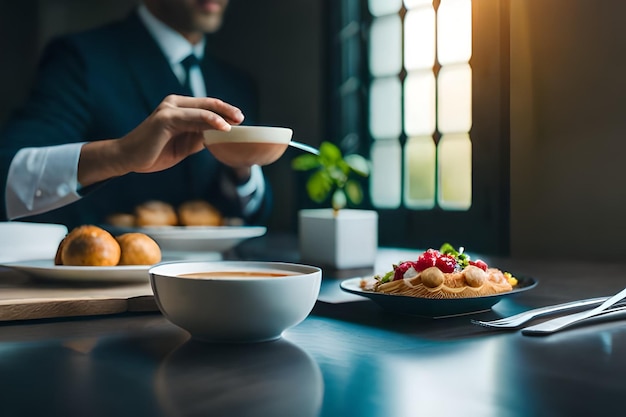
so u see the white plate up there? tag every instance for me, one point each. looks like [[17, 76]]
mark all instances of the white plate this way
[[45, 269], [176, 239]]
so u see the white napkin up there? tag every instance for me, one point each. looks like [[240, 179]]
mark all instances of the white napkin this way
[[22, 241]]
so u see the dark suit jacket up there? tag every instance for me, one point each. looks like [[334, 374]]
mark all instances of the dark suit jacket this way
[[102, 83]]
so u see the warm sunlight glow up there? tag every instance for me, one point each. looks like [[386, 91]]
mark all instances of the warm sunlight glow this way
[[385, 108], [455, 172], [455, 99], [383, 7], [432, 104], [420, 100], [409, 4], [419, 39], [385, 55], [386, 178], [454, 31], [420, 167]]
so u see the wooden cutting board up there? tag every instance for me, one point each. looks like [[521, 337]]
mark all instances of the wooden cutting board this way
[[22, 298]]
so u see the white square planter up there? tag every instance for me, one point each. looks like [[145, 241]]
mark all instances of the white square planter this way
[[348, 240]]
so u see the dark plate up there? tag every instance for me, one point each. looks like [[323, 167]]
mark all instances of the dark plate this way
[[428, 307]]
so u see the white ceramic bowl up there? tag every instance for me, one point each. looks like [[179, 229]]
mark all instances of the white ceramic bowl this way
[[235, 308], [248, 145]]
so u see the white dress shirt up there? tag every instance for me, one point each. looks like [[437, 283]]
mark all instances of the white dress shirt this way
[[45, 178]]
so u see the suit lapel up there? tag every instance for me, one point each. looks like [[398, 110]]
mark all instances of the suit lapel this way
[[148, 65], [154, 77]]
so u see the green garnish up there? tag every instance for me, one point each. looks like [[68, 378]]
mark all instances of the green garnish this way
[[461, 258], [385, 278]]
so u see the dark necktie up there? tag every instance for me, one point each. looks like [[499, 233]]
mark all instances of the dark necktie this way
[[188, 63]]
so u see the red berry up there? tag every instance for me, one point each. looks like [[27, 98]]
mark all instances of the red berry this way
[[446, 263], [432, 253], [400, 270], [427, 259], [423, 263], [479, 263]]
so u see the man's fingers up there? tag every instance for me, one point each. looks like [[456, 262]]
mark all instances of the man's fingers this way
[[179, 119], [230, 113]]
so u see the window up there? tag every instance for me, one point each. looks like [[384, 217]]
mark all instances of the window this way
[[422, 90]]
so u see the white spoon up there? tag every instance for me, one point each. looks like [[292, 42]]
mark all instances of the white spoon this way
[[305, 147]]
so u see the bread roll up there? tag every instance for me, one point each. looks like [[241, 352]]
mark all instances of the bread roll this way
[[121, 220], [58, 259], [155, 213], [199, 213], [89, 246], [138, 249]]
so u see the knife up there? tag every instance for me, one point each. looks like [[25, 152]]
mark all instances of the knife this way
[[560, 323]]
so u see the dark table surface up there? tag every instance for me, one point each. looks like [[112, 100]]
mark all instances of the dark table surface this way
[[348, 358]]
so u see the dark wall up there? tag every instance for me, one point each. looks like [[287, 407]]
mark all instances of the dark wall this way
[[568, 96], [25, 27]]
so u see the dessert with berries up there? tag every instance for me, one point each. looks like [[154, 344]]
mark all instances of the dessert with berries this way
[[443, 273]]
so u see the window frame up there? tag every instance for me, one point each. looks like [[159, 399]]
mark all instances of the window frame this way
[[485, 226]]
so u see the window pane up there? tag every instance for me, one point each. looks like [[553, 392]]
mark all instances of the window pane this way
[[383, 7], [420, 100], [385, 178], [420, 167], [385, 46], [385, 116], [414, 3], [455, 172], [454, 31], [455, 99], [419, 39]]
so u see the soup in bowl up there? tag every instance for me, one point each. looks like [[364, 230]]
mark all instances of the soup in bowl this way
[[245, 146], [235, 301]]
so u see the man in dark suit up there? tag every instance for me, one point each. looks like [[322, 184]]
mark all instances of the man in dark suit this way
[[112, 122]]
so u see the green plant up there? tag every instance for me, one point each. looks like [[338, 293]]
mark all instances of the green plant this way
[[333, 175]]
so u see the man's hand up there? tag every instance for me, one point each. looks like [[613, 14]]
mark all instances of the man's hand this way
[[170, 134]]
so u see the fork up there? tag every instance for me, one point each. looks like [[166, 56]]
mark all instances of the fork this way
[[515, 321]]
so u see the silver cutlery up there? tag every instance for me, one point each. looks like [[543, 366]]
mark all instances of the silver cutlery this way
[[516, 321], [548, 327], [304, 147], [563, 322]]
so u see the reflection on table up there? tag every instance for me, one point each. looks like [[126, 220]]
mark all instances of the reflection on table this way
[[268, 379], [349, 357]]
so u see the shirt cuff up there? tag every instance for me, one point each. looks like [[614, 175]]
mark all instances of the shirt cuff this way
[[42, 179]]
